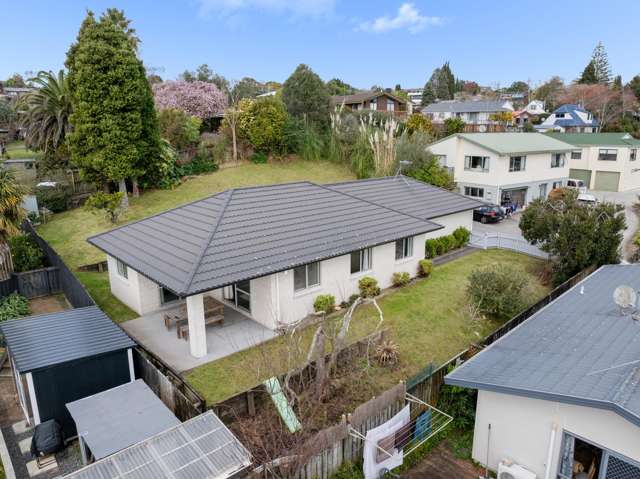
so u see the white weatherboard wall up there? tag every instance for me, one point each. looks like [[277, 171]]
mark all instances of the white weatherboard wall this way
[[136, 291], [629, 179], [521, 430]]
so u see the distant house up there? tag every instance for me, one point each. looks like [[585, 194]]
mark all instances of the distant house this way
[[505, 167], [415, 95], [377, 100], [14, 92], [559, 394], [570, 119], [471, 112], [535, 107], [604, 161]]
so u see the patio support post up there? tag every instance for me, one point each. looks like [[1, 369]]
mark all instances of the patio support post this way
[[197, 331]]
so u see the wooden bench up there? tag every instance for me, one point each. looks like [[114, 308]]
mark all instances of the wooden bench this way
[[182, 328]]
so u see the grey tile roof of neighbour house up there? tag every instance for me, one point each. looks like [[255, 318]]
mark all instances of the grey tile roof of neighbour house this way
[[409, 196], [466, 106], [579, 349], [515, 143], [246, 233], [45, 340]]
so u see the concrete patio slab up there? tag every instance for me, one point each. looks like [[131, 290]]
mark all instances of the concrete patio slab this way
[[237, 333]]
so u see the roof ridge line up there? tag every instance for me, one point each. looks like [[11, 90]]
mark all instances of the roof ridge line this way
[[377, 204], [207, 242]]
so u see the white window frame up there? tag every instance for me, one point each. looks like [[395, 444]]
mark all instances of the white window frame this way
[[407, 248], [606, 152], [556, 184], [365, 260], [373, 104], [557, 160], [512, 163], [484, 163], [576, 155], [306, 279], [122, 269], [391, 106], [469, 190]]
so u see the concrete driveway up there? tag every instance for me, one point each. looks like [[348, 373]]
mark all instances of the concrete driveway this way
[[508, 226], [627, 198]]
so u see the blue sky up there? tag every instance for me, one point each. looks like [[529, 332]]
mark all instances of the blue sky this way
[[363, 42]]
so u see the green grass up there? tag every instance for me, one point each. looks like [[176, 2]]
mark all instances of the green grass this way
[[67, 232], [429, 321], [17, 150]]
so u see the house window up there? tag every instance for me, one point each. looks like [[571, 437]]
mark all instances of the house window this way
[[122, 268], [607, 154], [373, 104], [476, 163], [576, 155], [390, 105], [306, 276], [441, 159], [543, 190], [404, 248], [633, 154], [361, 260], [557, 160], [557, 184], [474, 191], [517, 163]]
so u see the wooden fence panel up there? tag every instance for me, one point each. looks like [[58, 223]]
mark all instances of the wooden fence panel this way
[[8, 286]]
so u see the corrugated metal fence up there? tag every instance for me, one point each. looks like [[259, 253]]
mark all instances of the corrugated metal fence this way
[[505, 241]]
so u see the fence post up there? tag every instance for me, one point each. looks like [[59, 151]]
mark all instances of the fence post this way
[[485, 240]]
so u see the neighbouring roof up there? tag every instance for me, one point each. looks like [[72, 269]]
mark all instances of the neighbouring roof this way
[[250, 232], [408, 196], [595, 139], [120, 417], [579, 349], [200, 448], [575, 119], [466, 106], [45, 340], [511, 143], [363, 96]]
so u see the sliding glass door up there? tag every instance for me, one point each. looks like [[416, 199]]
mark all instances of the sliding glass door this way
[[239, 294]]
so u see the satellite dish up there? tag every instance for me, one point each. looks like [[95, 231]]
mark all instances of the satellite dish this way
[[625, 297]]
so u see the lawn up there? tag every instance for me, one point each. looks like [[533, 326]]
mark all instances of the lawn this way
[[429, 321], [67, 232], [16, 150]]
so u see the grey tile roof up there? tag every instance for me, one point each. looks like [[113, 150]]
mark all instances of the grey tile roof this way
[[200, 448], [364, 96], [120, 417], [409, 196], [37, 342], [466, 106], [578, 350], [251, 232]]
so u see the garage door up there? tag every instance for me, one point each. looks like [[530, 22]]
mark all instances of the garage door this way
[[607, 180], [584, 175]]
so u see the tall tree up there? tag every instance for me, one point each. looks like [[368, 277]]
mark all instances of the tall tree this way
[[589, 75], [16, 81], [246, 88], [11, 212], [115, 129], [338, 87], [600, 61], [205, 74], [634, 86], [306, 96], [550, 91]]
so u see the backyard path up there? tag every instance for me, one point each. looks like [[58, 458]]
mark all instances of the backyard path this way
[[441, 463]]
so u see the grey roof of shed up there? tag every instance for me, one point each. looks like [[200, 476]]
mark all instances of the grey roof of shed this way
[[466, 106], [246, 233], [45, 340], [120, 417], [200, 448], [579, 349], [409, 196]]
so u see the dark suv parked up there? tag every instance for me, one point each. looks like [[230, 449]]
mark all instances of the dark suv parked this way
[[488, 214]]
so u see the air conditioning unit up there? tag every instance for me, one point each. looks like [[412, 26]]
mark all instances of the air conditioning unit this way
[[509, 470]]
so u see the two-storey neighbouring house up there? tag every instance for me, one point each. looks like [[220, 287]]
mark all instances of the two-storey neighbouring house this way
[[505, 167], [569, 119], [604, 161], [377, 100], [471, 112]]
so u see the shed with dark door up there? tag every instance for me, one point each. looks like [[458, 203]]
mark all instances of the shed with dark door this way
[[61, 357]]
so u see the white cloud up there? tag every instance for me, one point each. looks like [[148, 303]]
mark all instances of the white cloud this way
[[294, 7], [408, 17]]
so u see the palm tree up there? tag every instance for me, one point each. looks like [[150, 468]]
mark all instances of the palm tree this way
[[12, 214], [46, 111]]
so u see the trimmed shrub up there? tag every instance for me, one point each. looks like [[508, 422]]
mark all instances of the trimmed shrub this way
[[400, 279], [325, 303], [497, 291], [368, 287], [462, 236], [259, 158], [431, 248], [55, 198], [13, 306], [25, 253], [425, 267]]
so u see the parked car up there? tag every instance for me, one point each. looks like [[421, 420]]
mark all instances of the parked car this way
[[577, 185], [488, 214], [587, 199]]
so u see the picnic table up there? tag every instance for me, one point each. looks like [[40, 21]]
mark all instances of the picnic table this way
[[213, 314]]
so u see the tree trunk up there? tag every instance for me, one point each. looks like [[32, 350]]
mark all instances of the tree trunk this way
[[122, 187], [235, 145], [136, 190], [6, 264], [321, 372]]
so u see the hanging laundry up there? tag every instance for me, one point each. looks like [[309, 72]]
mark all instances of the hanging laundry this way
[[380, 453]]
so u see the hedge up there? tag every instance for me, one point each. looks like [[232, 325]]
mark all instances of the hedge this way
[[439, 246]]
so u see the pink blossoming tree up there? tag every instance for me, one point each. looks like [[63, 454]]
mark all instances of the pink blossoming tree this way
[[201, 99]]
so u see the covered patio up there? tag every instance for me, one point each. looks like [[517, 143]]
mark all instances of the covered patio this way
[[236, 333]]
